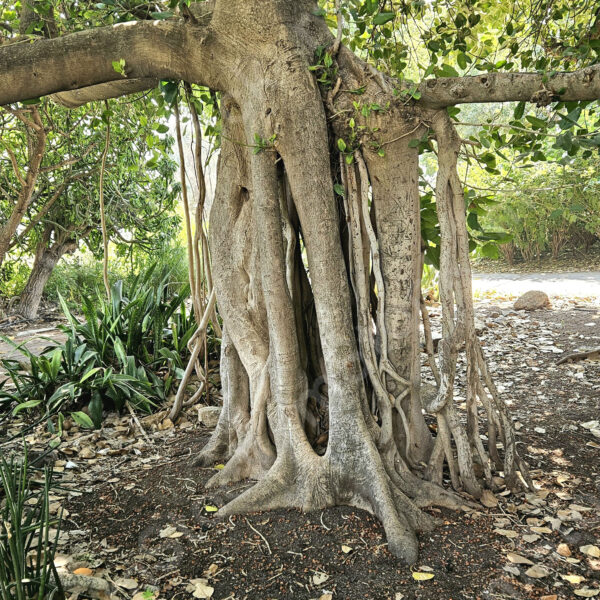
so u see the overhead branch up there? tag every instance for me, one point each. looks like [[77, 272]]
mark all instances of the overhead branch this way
[[537, 88], [104, 91], [152, 50]]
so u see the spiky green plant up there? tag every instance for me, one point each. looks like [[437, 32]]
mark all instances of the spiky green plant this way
[[27, 545]]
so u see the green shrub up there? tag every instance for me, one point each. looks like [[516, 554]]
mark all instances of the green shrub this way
[[79, 277], [13, 277], [131, 348], [27, 547]]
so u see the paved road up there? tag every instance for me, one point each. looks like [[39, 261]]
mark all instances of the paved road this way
[[569, 285]]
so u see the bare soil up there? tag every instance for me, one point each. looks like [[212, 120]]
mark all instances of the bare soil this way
[[140, 516]]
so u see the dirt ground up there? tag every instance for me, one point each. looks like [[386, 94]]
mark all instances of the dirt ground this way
[[139, 517]]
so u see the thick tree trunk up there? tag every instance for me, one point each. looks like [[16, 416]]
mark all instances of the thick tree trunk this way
[[46, 258], [351, 380]]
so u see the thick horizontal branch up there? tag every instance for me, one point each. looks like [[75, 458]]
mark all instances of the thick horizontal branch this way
[[104, 91], [152, 50], [505, 87]]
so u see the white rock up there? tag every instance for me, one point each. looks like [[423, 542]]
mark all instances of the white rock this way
[[209, 415]]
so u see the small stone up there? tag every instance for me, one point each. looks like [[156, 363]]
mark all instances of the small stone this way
[[209, 415], [532, 300], [86, 452]]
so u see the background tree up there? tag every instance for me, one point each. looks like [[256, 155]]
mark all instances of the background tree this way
[[140, 194], [320, 153]]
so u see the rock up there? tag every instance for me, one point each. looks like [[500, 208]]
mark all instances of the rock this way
[[93, 587], [480, 326], [532, 300], [209, 415]]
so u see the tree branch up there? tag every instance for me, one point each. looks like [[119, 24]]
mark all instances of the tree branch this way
[[169, 49], [541, 89], [104, 91]]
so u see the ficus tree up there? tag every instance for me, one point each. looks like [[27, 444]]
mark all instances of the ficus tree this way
[[320, 159]]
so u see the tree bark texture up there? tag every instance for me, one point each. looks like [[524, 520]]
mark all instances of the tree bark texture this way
[[320, 292]]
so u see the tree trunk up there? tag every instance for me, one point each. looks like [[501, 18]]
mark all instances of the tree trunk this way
[[46, 258], [320, 362]]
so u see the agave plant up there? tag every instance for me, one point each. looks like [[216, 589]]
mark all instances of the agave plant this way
[[130, 348]]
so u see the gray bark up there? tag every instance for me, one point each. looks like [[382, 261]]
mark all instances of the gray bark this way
[[362, 354], [46, 258]]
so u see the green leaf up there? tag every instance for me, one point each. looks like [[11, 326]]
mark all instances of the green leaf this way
[[537, 123], [341, 145], [339, 189], [90, 373], [519, 110], [383, 17], [95, 410], [82, 419], [162, 15], [490, 250], [26, 405], [119, 66], [447, 71]]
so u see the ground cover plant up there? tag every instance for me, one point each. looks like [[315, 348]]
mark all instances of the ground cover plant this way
[[131, 348]]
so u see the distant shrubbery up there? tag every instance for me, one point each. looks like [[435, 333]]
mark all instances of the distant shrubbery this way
[[562, 209], [81, 276]]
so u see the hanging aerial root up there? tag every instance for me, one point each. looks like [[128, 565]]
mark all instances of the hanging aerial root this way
[[458, 328]]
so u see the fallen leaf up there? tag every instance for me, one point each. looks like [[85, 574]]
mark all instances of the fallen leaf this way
[[200, 588], [146, 595], [170, 532], [549, 597], [517, 559], [82, 571], [61, 560], [398, 596], [563, 550], [531, 537], [509, 533], [574, 579], [418, 576], [346, 549], [319, 577], [591, 550], [210, 508], [537, 572], [586, 592], [326, 596], [488, 499], [541, 529], [128, 584], [219, 467]]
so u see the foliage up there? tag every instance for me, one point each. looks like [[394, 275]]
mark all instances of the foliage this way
[[80, 277], [562, 207], [13, 277], [129, 349], [27, 544]]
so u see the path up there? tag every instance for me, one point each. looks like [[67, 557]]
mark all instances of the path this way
[[569, 285]]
